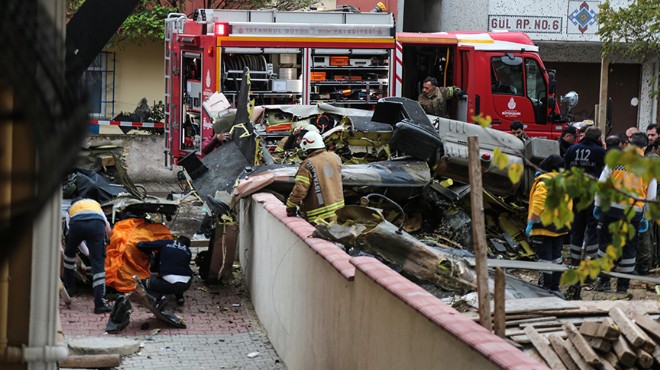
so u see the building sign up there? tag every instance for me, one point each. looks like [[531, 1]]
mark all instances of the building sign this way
[[524, 23], [582, 17], [300, 30]]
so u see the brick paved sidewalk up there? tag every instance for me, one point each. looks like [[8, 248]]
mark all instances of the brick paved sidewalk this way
[[222, 330]]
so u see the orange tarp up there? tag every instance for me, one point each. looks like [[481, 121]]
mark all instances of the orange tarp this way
[[123, 259]]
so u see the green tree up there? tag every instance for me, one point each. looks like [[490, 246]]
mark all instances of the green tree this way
[[146, 22], [633, 31], [579, 185]]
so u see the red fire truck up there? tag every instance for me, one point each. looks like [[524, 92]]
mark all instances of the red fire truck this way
[[345, 59]]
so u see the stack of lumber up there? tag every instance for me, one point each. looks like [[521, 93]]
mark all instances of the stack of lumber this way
[[591, 335]]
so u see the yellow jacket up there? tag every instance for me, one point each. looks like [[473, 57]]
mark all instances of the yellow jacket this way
[[537, 208]]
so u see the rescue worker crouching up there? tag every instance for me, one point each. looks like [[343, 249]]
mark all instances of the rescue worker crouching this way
[[89, 224], [318, 185], [174, 273], [546, 240]]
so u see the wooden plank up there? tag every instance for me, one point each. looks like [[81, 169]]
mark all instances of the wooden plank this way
[[649, 325], [524, 339], [598, 344], [479, 231], [543, 324], [560, 348], [537, 304], [644, 359], [601, 307], [609, 330], [606, 330], [512, 332], [528, 320], [656, 355], [541, 345], [624, 352], [499, 325], [582, 346], [633, 333], [576, 356], [612, 359], [91, 361], [604, 364]]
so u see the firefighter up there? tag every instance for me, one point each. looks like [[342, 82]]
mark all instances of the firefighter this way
[[173, 265], [318, 186], [292, 141], [89, 224], [547, 240], [434, 99], [589, 155], [629, 182]]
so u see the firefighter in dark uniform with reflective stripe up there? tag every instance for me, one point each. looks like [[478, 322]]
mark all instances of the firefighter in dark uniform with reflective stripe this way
[[630, 183], [89, 224], [318, 187], [589, 155]]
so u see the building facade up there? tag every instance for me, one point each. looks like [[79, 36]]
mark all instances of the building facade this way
[[565, 32]]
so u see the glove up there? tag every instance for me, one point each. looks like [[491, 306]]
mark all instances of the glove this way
[[291, 212], [598, 213], [528, 229], [643, 225]]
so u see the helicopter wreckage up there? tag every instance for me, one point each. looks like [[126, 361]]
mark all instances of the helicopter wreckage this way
[[405, 179]]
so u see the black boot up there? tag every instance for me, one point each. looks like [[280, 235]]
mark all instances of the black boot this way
[[69, 281], [603, 284], [622, 285], [100, 304]]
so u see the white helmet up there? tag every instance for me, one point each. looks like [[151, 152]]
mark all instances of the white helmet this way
[[312, 140], [310, 128]]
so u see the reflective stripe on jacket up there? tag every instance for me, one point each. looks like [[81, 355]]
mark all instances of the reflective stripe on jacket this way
[[86, 209], [318, 186], [629, 182]]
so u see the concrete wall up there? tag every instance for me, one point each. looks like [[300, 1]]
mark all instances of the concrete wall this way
[[143, 155], [323, 309]]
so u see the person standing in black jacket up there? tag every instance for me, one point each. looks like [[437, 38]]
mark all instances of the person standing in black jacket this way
[[174, 272], [567, 138], [589, 155]]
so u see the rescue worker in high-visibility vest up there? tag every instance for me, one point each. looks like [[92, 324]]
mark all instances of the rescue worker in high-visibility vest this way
[[547, 240], [89, 224], [629, 182], [318, 187]]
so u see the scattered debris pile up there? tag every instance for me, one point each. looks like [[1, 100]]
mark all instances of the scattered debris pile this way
[[586, 334]]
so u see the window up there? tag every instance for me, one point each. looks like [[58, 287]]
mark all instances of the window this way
[[98, 82], [507, 75], [536, 89]]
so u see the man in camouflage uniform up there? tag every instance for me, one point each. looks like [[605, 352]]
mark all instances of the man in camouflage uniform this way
[[434, 99]]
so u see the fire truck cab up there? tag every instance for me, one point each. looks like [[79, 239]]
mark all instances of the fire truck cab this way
[[500, 72]]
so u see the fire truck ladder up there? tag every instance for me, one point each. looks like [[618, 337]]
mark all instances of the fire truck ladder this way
[[174, 22]]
